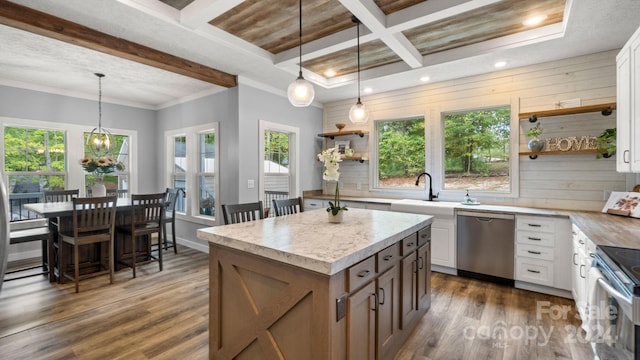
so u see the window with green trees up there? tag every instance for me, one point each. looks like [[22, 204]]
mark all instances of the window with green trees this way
[[400, 151], [476, 146], [120, 152], [34, 159]]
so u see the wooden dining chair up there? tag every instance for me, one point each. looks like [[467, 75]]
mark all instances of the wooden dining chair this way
[[93, 223], [288, 206], [170, 218], [238, 213], [144, 220], [60, 195]]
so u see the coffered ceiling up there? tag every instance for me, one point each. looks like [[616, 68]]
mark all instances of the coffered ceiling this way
[[257, 40]]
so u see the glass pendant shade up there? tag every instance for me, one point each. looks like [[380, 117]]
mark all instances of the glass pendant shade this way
[[358, 113], [300, 92]]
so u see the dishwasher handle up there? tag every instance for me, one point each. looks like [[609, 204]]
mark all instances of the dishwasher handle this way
[[486, 215]]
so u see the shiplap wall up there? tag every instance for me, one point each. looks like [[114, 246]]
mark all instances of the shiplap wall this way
[[560, 182]]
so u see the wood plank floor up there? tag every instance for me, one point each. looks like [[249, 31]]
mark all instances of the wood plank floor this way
[[164, 315]]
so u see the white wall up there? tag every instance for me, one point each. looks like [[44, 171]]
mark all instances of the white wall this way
[[238, 111], [565, 181]]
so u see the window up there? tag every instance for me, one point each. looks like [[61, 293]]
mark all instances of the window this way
[[206, 175], [192, 167], [276, 167], [477, 146], [179, 169], [400, 152], [118, 180], [34, 160]]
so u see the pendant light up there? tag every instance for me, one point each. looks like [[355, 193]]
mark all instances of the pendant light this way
[[358, 113], [300, 91], [100, 139]]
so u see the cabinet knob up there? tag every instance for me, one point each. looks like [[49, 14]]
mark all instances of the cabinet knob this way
[[387, 258]]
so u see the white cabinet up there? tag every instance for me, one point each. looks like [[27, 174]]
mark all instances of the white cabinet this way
[[312, 204], [543, 247], [583, 250], [628, 106], [443, 244]]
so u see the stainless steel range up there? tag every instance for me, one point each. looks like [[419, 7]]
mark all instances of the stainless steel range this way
[[620, 281]]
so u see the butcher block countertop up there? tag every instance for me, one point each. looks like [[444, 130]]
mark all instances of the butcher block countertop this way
[[606, 229], [601, 228]]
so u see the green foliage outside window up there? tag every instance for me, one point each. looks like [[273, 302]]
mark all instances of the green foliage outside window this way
[[401, 151], [35, 151], [477, 150], [276, 147]]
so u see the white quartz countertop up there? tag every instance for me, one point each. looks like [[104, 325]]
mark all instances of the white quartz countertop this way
[[309, 241]]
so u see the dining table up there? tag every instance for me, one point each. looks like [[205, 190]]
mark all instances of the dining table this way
[[60, 219]]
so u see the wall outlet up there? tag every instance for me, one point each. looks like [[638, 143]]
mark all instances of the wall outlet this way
[[340, 185], [251, 184], [359, 186]]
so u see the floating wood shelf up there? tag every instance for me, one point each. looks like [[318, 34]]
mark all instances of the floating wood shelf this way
[[534, 155], [533, 116], [354, 158], [331, 135]]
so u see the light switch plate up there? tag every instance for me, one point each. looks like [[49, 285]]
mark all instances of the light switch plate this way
[[251, 183]]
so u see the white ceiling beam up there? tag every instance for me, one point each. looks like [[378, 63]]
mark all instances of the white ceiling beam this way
[[155, 8], [200, 12], [375, 20], [431, 11]]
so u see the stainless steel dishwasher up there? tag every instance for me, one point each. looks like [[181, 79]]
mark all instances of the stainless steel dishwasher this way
[[485, 246]]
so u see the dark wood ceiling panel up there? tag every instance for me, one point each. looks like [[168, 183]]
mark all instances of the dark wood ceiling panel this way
[[391, 6], [490, 22], [273, 24], [372, 54], [177, 4]]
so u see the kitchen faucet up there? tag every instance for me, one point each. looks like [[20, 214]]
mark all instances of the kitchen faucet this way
[[431, 196]]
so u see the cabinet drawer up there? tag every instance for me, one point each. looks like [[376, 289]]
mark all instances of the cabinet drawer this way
[[424, 236], [409, 244], [312, 204], [535, 252], [536, 238], [361, 273], [388, 257], [534, 271], [534, 223]]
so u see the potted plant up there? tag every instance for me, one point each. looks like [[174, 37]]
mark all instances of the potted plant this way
[[535, 144], [606, 143], [331, 157]]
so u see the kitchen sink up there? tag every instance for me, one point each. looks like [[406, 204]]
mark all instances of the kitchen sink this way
[[424, 207]]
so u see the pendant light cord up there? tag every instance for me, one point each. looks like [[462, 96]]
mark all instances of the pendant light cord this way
[[300, 39], [99, 102], [358, 31]]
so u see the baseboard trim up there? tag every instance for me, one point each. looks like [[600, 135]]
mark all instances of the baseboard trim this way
[[196, 245], [543, 289]]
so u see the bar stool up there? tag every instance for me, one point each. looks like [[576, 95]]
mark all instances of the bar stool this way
[[238, 213], [41, 234], [288, 206], [145, 219], [93, 223]]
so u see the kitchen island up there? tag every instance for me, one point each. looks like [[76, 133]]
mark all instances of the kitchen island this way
[[298, 287]]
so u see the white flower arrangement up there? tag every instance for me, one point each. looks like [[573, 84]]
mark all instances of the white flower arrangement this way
[[331, 157]]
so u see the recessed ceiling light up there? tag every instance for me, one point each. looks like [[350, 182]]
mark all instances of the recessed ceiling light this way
[[367, 90], [330, 73], [500, 64], [534, 20], [425, 78]]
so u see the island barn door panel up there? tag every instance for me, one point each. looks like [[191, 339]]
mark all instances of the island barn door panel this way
[[263, 310]]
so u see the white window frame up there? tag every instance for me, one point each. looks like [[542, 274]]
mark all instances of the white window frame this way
[[373, 176], [193, 172], [438, 161], [75, 178], [294, 151]]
